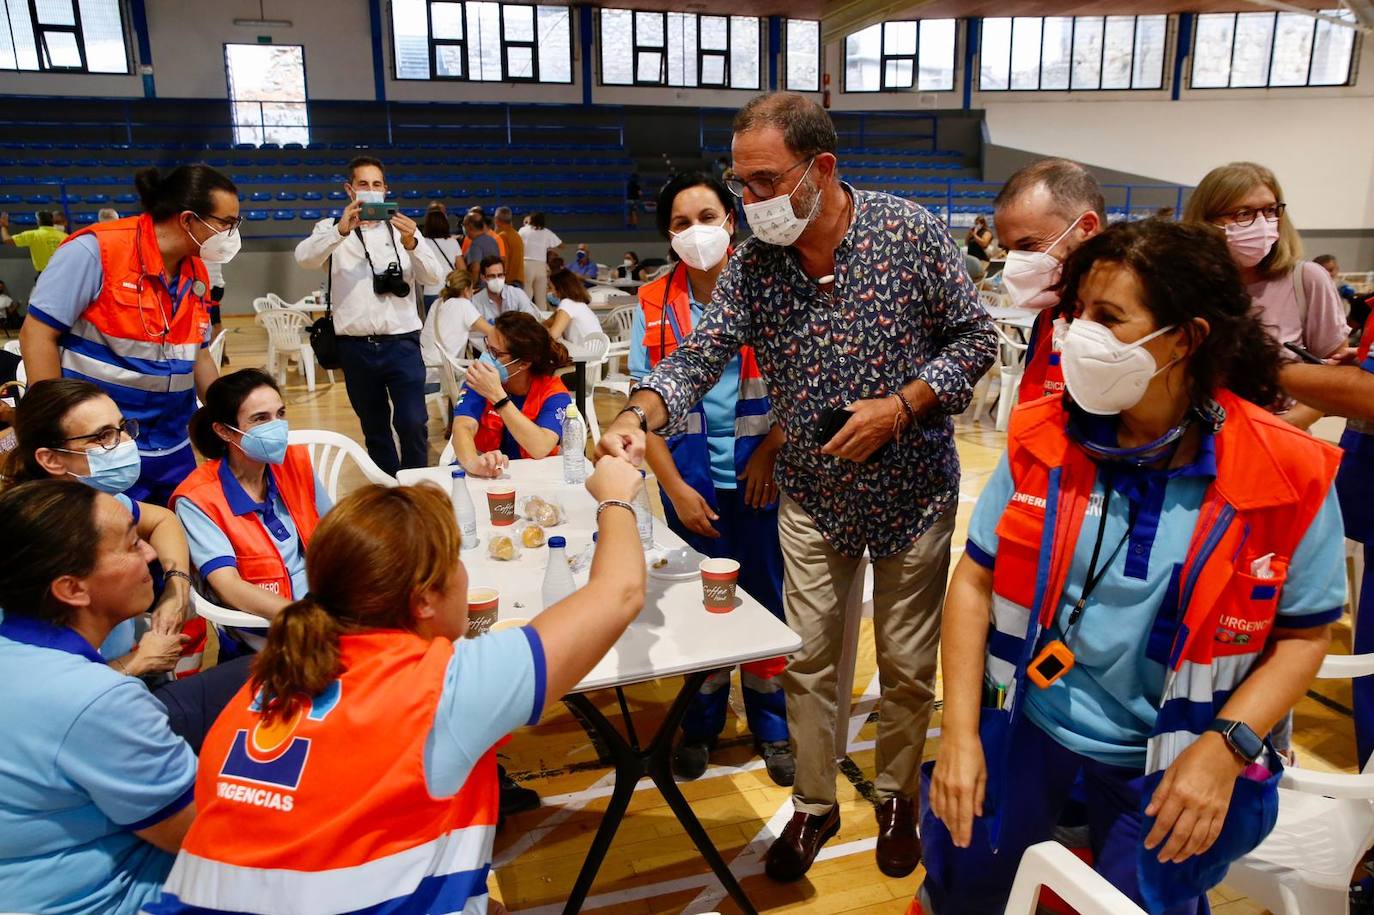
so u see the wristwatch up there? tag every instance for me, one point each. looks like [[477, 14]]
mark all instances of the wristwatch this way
[[1243, 742], [639, 412], [496, 407]]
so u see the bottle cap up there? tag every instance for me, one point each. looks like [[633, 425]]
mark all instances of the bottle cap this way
[[458, 472], [571, 410], [595, 536], [557, 543]]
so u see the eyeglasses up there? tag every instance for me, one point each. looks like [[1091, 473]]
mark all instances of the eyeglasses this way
[[1246, 216], [109, 438], [497, 354], [231, 222], [761, 187]]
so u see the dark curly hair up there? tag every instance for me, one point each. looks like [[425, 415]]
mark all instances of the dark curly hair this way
[[1186, 272]]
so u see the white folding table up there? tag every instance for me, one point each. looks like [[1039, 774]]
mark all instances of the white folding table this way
[[674, 635]]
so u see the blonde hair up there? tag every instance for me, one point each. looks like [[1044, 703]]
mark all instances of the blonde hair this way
[[1222, 190], [457, 285], [375, 552]]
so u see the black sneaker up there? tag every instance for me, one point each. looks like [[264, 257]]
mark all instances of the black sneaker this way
[[515, 799], [777, 757], [690, 759]]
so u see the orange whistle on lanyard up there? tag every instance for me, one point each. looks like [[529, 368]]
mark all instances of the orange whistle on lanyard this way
[[1053, 661]]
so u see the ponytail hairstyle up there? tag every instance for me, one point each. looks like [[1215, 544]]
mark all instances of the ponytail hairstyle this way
[[371, 558], [1185, 272], [458, 285], [186, 187], [222, 402], [38, 423], [568, 285], [529, 341]]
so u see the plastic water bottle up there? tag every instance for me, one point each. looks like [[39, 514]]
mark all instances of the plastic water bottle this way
[[463, 509], [644, 515], [583, 562], [558, 578], [574, 445]]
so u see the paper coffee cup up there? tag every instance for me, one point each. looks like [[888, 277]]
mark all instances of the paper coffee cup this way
[[718, 580], [512, 623], [501, 502], [482, 607]]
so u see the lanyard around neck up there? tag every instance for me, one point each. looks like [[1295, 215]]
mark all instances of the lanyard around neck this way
[[1095, 575]]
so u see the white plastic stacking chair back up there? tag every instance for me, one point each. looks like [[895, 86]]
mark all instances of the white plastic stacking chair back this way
[[619, 322], [602, 294], [284, 328], [1053, 867], [593, 347], [330, 451], [217, 348], [12, 346], [224, 616], [261, 304]]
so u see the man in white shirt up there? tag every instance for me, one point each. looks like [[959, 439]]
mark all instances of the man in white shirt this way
[[496, 297], [373, 267]]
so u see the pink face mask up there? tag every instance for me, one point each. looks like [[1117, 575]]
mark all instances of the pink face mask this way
[[1251, 244]]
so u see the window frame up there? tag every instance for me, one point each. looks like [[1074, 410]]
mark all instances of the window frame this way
[[1273, 43], [463, 44], [78, 32], [1170, 36], [229, 88], [700, 55], [883, 57], [787, 53]]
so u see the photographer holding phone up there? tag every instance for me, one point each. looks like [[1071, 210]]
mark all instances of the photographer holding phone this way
[[373, 265]]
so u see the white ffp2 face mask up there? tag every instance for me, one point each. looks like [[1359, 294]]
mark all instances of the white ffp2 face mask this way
[[221, 247], [496, 284], [774, 222], [1103, 375], [370, 196], [1029, 276], [702, 246]]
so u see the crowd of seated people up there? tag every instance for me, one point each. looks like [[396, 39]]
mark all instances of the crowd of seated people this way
[[1159, 341]]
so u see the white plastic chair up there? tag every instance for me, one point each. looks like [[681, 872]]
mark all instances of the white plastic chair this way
[[12, 346], [217, 348], [286, 337], [593, 347], [1325, 826], [1054, 867], [992, 299], [329, 451], [1006, 371], [277, 301], [600, 295], [261, 304], [617, 324], [224, 616]]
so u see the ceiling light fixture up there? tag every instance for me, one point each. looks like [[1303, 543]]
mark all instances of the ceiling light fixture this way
[[262, 22]]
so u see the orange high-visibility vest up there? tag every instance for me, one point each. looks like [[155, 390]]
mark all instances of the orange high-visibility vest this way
[[490, 426]]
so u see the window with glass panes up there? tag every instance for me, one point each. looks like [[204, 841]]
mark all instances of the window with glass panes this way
[[904, 55], [1272, 50], [645, 48], [63, 36], [802, 55], [484, 41], [1065, 53]]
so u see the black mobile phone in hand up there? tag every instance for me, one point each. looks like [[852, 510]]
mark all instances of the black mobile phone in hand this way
[[377, 212], [829, 424], [1302, 354]]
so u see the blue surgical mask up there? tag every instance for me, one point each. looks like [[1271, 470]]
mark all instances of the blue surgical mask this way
[[112, 471], [266, 443], [500, 367]]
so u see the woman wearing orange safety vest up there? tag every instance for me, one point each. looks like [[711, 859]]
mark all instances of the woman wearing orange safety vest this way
[[716, 476], [512, 405], [1147, 588], [125, 304], [251, 508], [356, 771]]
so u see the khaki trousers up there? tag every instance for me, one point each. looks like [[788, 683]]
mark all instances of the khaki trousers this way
[[537, 283], [908, 594]]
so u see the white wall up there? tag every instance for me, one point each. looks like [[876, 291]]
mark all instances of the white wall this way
[[1319, 142]]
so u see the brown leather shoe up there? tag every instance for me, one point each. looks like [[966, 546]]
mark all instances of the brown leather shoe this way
[[792, 853], [899, 848]]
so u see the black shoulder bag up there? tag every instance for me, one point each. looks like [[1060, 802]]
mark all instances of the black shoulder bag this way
[[322, 338]]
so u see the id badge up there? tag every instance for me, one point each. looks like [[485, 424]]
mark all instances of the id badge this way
[[1053, 661]]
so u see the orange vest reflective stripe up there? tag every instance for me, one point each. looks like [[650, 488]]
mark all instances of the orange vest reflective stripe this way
[[259, 562], [330, 811], [490, 426], [132, 341]]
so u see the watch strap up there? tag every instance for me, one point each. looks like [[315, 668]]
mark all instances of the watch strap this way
[[501, 403], [639, 414], [1235, 733]]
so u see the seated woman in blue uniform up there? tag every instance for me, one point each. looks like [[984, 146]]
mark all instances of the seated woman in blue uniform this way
[[70, 429], [512, 404], [251, 508], [1147, 588], [97, 788]]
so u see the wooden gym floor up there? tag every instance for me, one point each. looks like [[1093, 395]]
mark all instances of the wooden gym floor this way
[[652, 866]]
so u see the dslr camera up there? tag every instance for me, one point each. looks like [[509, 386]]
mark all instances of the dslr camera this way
[[390, 281]]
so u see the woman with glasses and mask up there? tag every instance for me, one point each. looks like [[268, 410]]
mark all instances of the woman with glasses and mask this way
[[512, 404], [717, 477], [250, 509], [1295, 298], [1148, 586], [125, 304], [66, 428]]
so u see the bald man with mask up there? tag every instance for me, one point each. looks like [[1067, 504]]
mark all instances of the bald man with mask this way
[[1043, 213]]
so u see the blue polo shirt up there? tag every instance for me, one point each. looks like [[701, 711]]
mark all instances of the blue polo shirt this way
[[88, 760], [1105, 706], [473, 405], [718, 404], [210, 546]]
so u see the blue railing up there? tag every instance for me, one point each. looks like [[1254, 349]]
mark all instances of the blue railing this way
[[898, 131]]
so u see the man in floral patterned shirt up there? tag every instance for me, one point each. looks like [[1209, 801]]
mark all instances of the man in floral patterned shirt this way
[[854, 301]]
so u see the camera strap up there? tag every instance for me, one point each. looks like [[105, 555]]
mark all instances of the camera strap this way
[[357, 230]]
